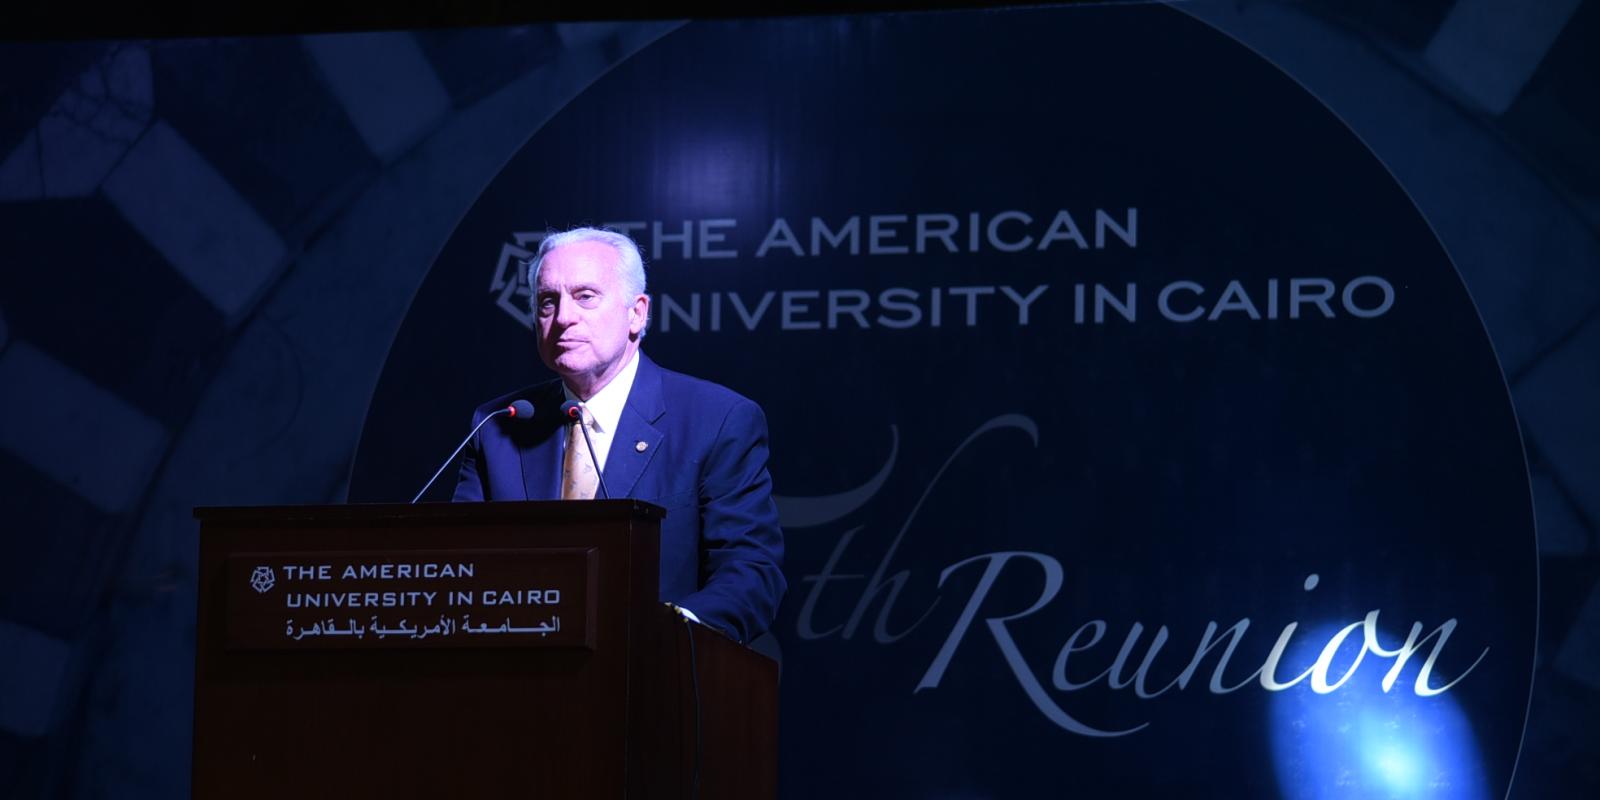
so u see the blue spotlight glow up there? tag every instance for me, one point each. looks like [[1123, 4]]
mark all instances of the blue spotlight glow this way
[[1362, 742], [1396, 764]]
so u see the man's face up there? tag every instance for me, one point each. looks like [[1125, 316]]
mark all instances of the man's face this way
[[588, 324]]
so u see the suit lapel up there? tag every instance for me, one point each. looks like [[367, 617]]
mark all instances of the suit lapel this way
[[539, 445], [627, 460]]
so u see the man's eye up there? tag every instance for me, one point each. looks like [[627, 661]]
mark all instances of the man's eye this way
[[547, 304], [586, 298]]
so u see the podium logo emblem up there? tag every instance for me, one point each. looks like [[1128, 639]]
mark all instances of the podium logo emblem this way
[[262, 580]]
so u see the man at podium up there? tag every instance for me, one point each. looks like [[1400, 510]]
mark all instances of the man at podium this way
[[697, 449]]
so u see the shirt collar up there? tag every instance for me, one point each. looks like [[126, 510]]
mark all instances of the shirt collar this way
[[605, 408]]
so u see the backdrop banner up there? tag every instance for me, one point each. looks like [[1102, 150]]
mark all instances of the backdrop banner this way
[[1134, 434]]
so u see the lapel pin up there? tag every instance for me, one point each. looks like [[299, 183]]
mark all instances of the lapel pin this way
[[640, 447]]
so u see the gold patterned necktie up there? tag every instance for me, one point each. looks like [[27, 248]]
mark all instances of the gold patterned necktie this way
[[578, 478]]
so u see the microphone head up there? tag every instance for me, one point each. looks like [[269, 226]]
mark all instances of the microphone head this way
[[521, 409], [572, 411]]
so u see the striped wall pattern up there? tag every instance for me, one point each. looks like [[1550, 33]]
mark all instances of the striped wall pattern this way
[[212, 207]]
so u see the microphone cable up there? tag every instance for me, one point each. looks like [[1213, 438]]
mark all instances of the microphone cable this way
[[694, 679]]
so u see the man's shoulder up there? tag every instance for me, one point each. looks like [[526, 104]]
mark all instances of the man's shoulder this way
[[704, 393]]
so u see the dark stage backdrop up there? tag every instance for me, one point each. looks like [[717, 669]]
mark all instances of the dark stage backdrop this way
[[1071, 372], [1135, 433]]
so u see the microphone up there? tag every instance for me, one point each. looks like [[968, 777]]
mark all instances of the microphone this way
[[574, 414], [519, 409]]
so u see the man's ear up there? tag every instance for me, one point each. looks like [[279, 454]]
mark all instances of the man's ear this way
[[638, 314]]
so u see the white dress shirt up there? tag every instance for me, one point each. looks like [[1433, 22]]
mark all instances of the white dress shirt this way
[[605, 409]]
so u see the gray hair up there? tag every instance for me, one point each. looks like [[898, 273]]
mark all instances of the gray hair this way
[[630, 265]]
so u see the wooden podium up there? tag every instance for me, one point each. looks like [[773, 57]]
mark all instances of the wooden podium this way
[[475, 650]]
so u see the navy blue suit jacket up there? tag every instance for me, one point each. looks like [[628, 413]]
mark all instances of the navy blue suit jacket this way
[[704, 461]]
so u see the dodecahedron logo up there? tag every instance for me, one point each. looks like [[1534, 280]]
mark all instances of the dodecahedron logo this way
[[261, 579]]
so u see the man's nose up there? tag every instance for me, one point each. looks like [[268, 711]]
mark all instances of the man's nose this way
[[566, 311]]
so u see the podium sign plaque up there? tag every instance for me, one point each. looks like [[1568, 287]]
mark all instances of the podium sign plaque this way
[[434, 598]]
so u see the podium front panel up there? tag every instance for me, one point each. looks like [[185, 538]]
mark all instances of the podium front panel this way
[[420, 700]]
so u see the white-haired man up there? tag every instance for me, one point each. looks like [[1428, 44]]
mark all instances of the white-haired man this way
[[693, 447]]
